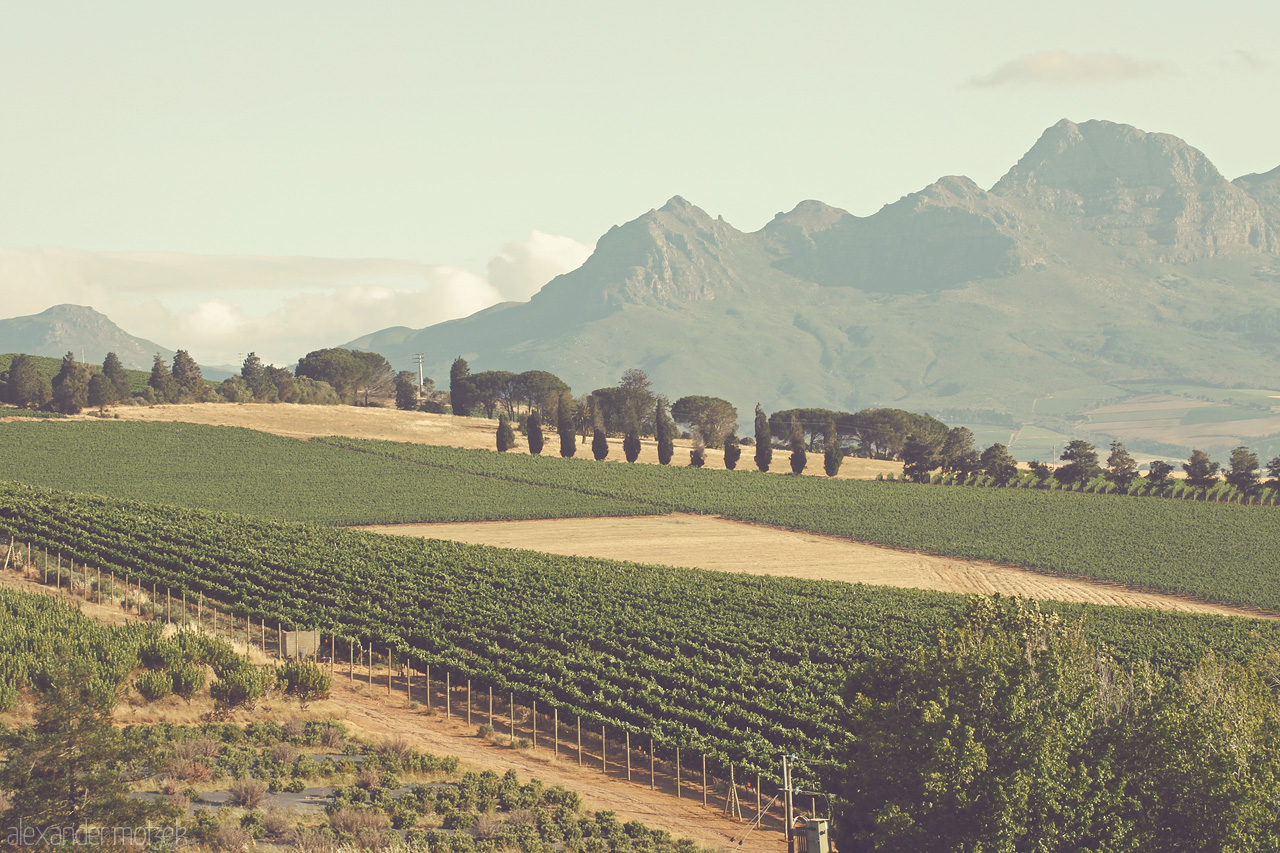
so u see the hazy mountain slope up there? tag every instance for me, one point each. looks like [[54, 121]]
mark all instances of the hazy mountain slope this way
[[1105, 254], [77, 329]]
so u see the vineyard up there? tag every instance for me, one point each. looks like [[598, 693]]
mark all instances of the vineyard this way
[[240, 470], [1220, 552], [736, 667]]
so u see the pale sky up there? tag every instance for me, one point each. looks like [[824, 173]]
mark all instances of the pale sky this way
[[488, 145]]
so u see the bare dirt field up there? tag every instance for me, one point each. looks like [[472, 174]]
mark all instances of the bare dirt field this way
[[709, 542], [371, 712], [294, 421]]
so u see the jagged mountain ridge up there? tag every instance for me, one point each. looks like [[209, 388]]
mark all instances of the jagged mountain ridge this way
[[1104, 253], [81, 330]]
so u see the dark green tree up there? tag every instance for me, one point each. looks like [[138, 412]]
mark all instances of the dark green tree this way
[[71, 386], [998, 464], [565, 426], [1243, 470], [461, 391], [698, 455], [254, 373], [63, 771], [799, 459], [764, 440], [1010, 732], [161, 381], [1121, 469], [631, 437], [958, 454], [1273, 472], [406, 390], [832, 453], [114, 370], [1082, 463], [377, 378], [188, 378], [599, 444], [289, 388], [1158, 472], [28, 388], [919, 458], [732, 452], [666, 429], [1201, 471], [101, 393], [533, 428], [710, 417], [506, 436]]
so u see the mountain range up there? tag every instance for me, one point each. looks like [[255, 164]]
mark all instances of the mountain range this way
[[1106, 254]]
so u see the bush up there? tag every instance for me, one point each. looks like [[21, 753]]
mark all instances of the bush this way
[[248, 793], [154, 685], [239, 687], [188, 680], [304, 681]]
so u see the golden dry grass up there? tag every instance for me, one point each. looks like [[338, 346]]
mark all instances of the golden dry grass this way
[[304, 422]]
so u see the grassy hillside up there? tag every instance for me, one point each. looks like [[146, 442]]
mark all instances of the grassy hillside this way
[[50, 367], [240, 470]]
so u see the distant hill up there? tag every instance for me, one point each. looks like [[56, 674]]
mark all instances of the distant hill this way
[[50, 366], [1105, 255], [80, 330]]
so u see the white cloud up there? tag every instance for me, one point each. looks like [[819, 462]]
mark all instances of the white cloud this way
[[524, 266], [220, 307], [1062, 68]]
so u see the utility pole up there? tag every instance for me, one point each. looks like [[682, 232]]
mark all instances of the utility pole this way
[[418, 358], [790, 813]]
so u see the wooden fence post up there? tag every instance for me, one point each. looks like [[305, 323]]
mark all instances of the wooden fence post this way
[[390, 667], [491, 706], [604, 744], [628, 748], [534, 716], [704, 780], [652, 757], [468, 702], [579, 741], [351, 659], [448, 695], [555, 729], [408, 674]]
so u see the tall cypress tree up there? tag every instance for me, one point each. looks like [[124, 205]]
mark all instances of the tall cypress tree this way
[[764, 440], [534, 429], [798, 456], [506, 437], [599, 445], [102, 392], [732, 452], [114, 370], [631, 440], [565, 426], [461, 391], [666, 438], [832, 456]]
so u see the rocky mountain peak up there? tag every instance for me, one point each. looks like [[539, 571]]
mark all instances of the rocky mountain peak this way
[[1149, 193]]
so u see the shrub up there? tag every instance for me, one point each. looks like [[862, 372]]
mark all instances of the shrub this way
[[188, 680], [304, 681], [228, 838], [240, 687], [154, 685], [248, 793], [365, 827]]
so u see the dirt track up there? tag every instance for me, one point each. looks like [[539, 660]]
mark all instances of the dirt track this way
[[709, 542]]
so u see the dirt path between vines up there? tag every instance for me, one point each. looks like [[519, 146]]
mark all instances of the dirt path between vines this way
[[368, 710], [711, 542]]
